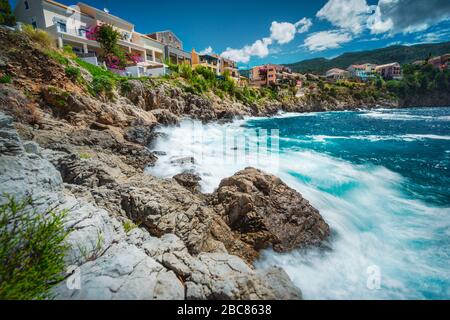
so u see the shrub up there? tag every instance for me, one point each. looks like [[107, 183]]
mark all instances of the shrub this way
[[129, 226], [57, 57], [32, 250], [95, 70], [108, 37], [85, 156], [103, 85], [185, 71], [6, 78], [39, 36], [125, 87], [73, 73], [6, 15]]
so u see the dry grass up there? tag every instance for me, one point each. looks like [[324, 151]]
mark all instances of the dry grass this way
[[39, 36]]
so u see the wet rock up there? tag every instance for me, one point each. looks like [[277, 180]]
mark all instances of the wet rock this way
[[165, 117], [142, 135], [189, 180], [10, 143], [183, 161], [263, 211]]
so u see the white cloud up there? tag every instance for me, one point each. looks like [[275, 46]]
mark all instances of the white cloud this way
[[350, 15], [303, 25], [280, 32], [323, 40], [259, 48], [404, 16], [284, 32], [208, 50], [435, 36]]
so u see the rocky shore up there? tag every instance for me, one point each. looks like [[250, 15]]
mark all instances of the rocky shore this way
[[71, 150]]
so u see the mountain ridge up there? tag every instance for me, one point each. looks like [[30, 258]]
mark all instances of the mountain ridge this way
[[397, 53]]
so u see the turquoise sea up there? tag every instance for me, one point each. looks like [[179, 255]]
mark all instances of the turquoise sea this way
[[380, 178]]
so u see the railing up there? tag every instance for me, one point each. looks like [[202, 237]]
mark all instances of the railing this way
[[86, 55]]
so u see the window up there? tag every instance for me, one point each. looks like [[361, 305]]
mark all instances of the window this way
[[82, 32], [62, 26], [27, 5], [34, 23]]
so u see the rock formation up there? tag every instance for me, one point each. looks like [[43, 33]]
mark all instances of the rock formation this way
[[263, 211], [113, 264]]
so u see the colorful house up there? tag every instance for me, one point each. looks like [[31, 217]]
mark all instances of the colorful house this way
[[173, 47], [273, 75], [210, 61], [230, 66], [441, 62], [390, 71], [337, 74], [75, 26], [362, 72]]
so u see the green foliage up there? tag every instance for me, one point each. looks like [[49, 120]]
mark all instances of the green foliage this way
[[125, 87], [128, 226], [6, 78], [57, 56], [108, 37], [85, 156], [95, 70], [32, 250], [420, 80], [6, 16], [39, 36], [103, 85], [97, 248], [73, 73]]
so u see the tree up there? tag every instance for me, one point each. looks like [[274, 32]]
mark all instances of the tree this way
[[6, 16], [108, 38]]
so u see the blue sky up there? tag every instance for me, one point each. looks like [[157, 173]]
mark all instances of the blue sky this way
[[255, 32]]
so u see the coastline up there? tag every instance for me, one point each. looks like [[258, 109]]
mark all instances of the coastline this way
[[87, 153]]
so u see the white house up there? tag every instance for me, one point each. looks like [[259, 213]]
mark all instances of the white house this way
[[73, 25]]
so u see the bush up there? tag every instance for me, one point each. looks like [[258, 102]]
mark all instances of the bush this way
[[95, 70], [32, 250], [73, 73], [6, 78], [57, 57], [103, 85], [6, 15], [128, 226], [185, 71], [39, 36], [125, 87]]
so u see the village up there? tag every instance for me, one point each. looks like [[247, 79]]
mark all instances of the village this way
[[150, 53]]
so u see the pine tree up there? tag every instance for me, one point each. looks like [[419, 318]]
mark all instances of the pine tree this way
[[6, 16]]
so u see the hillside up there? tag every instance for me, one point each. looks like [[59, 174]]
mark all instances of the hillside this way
[[401, 54]]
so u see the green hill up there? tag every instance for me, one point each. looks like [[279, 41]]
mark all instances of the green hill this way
[[401, 54]]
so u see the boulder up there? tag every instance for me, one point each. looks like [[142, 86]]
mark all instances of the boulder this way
[[263, 211], [189, 180], [219, 275]]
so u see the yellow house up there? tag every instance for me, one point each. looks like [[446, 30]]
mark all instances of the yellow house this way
[[210, 61]]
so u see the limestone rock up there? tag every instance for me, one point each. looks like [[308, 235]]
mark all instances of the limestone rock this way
[[265, 212], [189, 180]]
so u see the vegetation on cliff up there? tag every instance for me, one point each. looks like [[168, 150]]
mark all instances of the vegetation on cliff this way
[[32, 250], [420, 80]]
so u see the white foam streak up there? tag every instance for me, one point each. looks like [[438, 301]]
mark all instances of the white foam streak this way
[[373, 223]]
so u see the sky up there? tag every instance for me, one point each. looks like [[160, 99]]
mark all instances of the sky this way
[[255, 32]]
